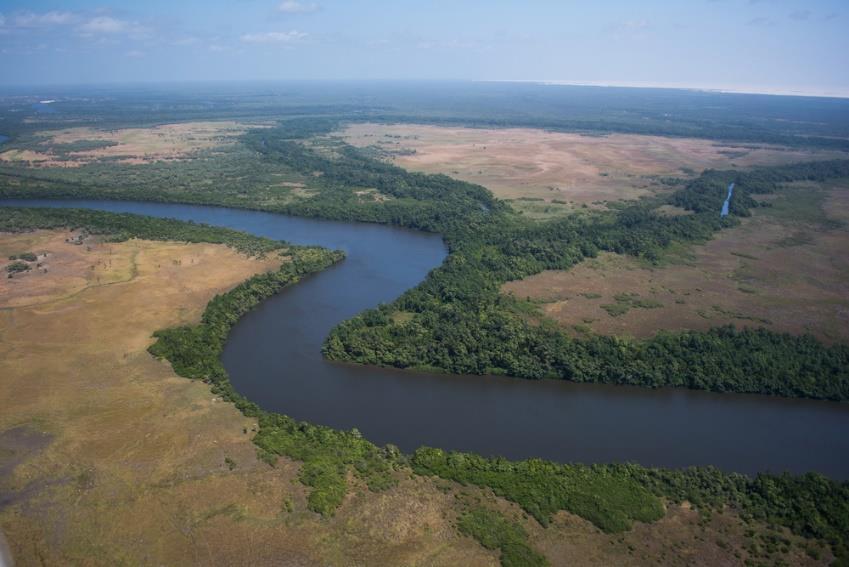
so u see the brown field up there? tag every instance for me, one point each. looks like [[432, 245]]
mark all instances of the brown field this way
[[786, 269], [517, 163], [107, 457], [167, 142]]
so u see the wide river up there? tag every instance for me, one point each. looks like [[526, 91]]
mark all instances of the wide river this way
[[273, 357]]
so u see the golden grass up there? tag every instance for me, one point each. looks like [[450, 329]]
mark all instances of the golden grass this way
[[757, 274], [517, 163], [168, 142], [107, 457]]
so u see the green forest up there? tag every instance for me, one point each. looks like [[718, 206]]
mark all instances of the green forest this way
[[117, 227], [790, 121]]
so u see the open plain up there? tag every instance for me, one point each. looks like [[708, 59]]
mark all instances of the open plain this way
[[532, 166], [785, 268], [74, 147]]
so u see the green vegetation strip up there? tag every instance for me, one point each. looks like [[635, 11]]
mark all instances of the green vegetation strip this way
[[493, 531], [122, 226], [606, 496]]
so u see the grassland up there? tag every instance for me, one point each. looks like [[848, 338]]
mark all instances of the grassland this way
[[550, 173], [107, 457], [75, 147], [785, 268]]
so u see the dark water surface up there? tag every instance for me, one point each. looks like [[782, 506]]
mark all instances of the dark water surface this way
[[273, 357]]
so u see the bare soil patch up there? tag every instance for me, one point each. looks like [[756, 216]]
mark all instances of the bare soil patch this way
[[575, 169], [785, 269]]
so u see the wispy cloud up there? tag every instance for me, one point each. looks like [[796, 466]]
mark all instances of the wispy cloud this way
[[185, 41], [104, 24], [630, 29], [635, 24], [800, 15], [135, 54], [43, 20], [759, 22], [295, 7], [285, 38], [109, 26]]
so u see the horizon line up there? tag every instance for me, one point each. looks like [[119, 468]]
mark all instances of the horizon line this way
[[814, 92]]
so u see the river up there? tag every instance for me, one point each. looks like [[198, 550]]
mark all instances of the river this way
[[273, 357], [727, 202]]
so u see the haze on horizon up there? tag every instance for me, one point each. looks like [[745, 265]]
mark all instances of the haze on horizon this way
[[770, 46]]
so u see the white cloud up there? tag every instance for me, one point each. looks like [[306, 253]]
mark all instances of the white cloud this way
[[288, 37], [47, 19], [108, 26], [759, 22], [800, 15], [135, 54], [104, 24], [2, 20], [295, 7], [185, 41]]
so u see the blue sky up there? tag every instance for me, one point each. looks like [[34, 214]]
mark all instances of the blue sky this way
[[749, 45]]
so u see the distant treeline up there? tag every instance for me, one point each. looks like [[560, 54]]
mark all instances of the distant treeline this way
[[733, 133], [794, 121]]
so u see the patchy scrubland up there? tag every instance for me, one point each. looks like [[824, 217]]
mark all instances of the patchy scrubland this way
[[785, 268], [538, 169], [75, 147]]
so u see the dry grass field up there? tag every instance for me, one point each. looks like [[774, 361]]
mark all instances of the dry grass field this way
[[167, 142], [786, 268], [553, 167], [108, 458]]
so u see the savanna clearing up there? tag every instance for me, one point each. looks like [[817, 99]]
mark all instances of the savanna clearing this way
[[549, 173], [785, 268], [75, 147]]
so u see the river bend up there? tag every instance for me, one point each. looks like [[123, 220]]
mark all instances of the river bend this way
[[273, 357]]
